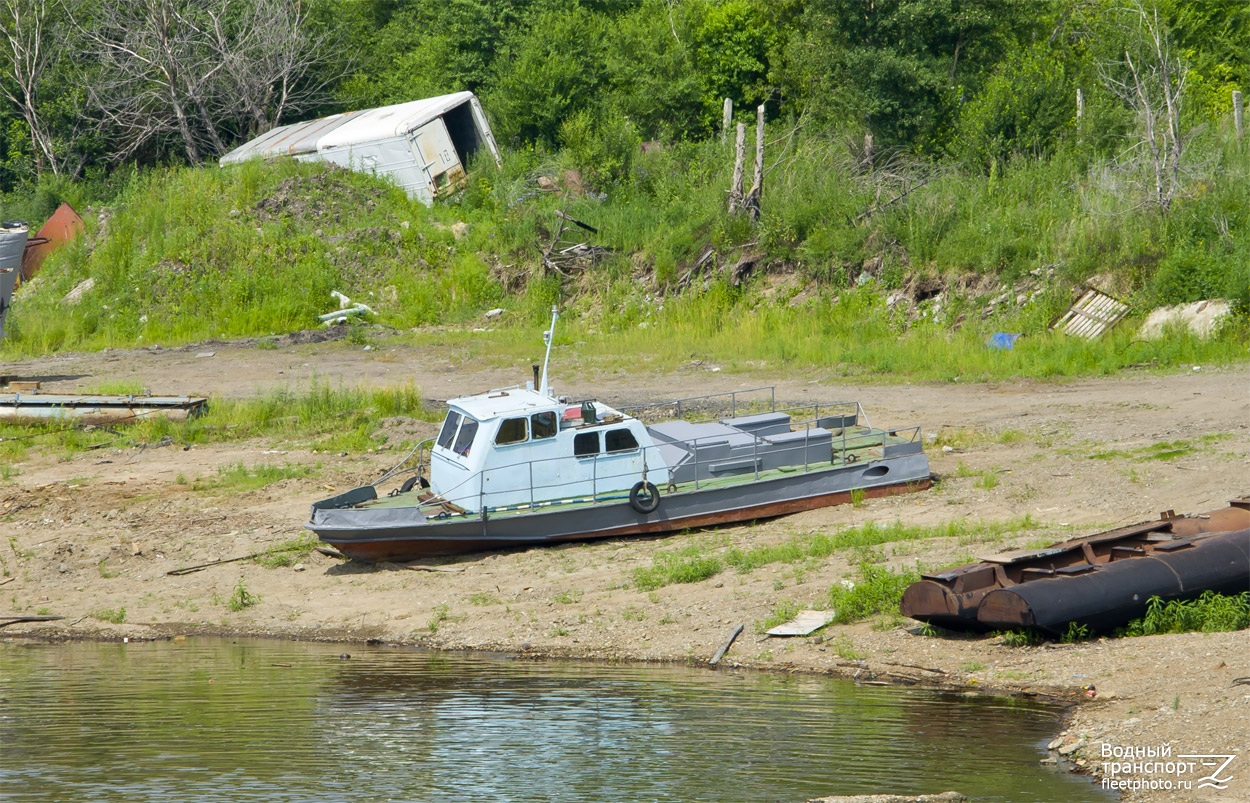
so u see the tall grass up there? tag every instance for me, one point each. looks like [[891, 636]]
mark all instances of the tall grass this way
[[1209, 613], [821, 545], [188, 254], [696, 562], [322, 417]]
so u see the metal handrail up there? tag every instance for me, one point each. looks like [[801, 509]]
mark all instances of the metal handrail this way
[[843, 452], [420, 450], [732, 394]]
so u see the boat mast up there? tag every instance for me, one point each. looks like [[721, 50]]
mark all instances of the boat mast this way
[[548, 336]]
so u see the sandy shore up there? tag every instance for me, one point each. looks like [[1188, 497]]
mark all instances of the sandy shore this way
[[88, 535]]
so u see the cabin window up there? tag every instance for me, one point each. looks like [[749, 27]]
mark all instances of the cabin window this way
[[447, 435], [586, 444], [512, 430], [543, 425], [620, 440], [464, 440]]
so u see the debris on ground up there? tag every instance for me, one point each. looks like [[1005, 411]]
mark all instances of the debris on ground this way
[[1202, 318]]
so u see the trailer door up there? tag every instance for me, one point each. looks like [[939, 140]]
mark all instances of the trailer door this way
[[431, 146]]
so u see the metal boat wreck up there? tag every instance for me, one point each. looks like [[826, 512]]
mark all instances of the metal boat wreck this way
[[1100, 582], [522, 466]]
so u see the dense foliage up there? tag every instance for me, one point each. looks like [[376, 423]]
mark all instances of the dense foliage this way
[[928, 147]]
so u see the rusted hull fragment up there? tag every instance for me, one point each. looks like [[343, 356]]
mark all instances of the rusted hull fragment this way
[[1100, 581], [1113, 594]]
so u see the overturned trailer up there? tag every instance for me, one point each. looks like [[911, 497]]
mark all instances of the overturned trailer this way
[[424, 146], [1099, 582]]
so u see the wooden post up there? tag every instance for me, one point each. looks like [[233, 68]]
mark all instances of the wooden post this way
[[757, 186], [868, 151], [727, 118], [1237, 112], [735, 192], [1080, 103]]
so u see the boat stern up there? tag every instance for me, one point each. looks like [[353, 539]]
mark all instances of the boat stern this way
[[348, 516]]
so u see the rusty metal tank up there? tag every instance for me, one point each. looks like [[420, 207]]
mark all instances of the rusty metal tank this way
[[956, 598]]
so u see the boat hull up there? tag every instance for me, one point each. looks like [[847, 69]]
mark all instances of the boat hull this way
[[403, 534]]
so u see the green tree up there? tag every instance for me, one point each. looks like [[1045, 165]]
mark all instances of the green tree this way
[[1213, 38], [425, 49], [903, 68], [544, 72], [650, 70], [734, 43]]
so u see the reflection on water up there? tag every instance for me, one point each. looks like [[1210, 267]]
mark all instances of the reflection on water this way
[[280, 721]]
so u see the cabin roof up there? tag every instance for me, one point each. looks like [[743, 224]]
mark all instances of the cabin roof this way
[[502, 403]]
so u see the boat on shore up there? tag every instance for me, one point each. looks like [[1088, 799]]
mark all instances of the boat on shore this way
[[1099, 582], [523, 466]]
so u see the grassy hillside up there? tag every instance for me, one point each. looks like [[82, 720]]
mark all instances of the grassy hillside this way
[[902, 269]]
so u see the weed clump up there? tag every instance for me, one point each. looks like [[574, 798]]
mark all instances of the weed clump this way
[[242, 599], [1209, 613], [878, 590], [688, 565]]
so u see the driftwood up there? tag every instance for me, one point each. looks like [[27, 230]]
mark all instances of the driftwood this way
[[877, 207], [724, 648], [16, 618], [565, 255], [201, 567]]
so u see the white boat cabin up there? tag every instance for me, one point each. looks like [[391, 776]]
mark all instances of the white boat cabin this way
[[520, 447]]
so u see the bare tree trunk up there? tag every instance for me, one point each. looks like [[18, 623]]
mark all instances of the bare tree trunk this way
[[1155, 89], [193, 69], [757, 186], [735, 191], [23, 27], [267, 58]]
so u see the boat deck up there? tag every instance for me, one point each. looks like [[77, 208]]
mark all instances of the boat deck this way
[[857, 445]]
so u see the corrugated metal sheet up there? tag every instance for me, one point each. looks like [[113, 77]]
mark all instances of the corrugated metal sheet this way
[[97, 409], [289, 140], [1094, 313], [392, 121]]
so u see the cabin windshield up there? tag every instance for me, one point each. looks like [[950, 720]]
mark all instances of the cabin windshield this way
[[447, 435], [468, 431]]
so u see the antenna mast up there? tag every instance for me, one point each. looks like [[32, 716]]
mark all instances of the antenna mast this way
[[548, 336]]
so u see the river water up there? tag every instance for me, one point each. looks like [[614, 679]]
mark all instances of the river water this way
[[256, 720]]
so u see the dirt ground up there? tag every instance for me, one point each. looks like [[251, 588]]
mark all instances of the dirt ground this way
[[98, 531]]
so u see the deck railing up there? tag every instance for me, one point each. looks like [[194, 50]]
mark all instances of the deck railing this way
[[612, 475]]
